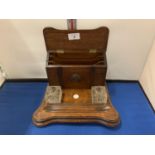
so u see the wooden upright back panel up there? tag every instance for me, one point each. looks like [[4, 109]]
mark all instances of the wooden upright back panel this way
[[77, 66], [89, 39]]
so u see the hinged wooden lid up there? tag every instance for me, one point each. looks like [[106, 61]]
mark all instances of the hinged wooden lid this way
[[88, 39]]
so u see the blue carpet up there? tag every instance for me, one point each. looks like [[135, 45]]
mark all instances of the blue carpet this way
[[18, 101]]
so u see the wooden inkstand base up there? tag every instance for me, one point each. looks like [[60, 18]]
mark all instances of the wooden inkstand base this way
[[76, 70]]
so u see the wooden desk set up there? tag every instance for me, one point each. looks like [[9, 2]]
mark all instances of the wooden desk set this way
[[76, 68]]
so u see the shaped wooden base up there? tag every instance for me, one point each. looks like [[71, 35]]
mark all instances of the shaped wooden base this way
[[76, 110]]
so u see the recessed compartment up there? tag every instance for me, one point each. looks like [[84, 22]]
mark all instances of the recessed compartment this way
[[76, 75], [76, 64], [76, 58]]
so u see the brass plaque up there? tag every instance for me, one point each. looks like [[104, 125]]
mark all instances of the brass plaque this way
[[92, 51]]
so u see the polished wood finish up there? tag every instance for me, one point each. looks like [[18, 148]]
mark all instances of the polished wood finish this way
[[76, 110], [89, 39], [88, 76], [76, 66], [76, 58]]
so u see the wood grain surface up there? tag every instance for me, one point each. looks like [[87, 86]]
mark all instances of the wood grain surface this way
[[76, 66], [80, 110]]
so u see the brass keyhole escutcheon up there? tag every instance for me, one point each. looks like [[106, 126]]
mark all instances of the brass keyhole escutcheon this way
[[75, 77]]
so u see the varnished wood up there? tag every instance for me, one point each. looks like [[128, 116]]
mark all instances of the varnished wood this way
[[89, 39], [89, 75], [76, 110], [76, 66], [76, 58]]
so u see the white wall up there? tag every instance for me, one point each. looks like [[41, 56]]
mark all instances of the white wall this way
[[2, 76], [23, 54], [147, 78]]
